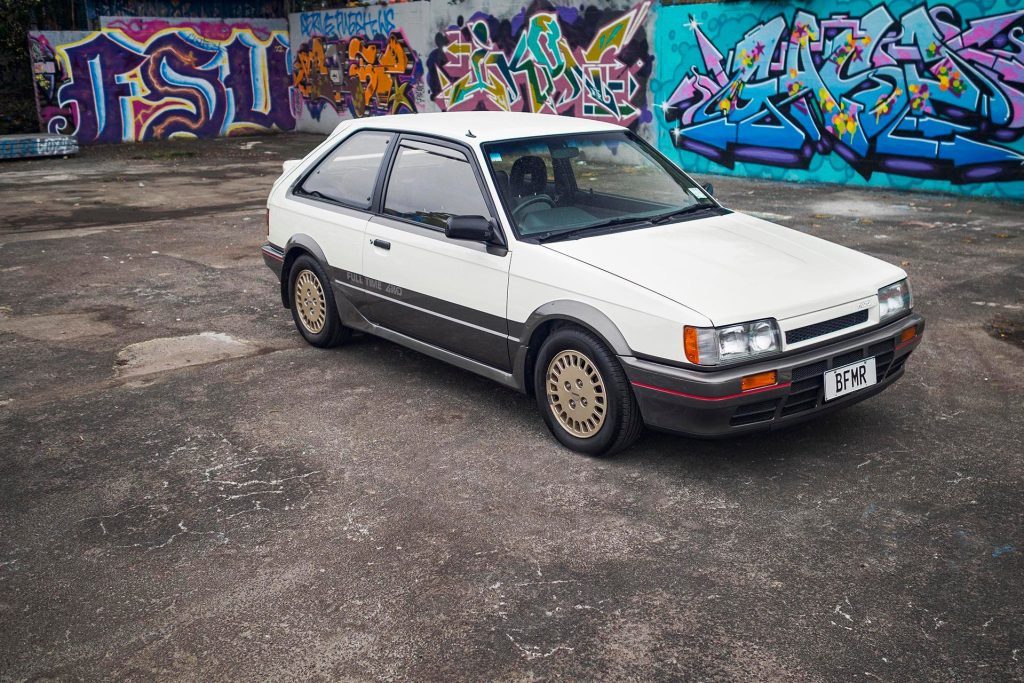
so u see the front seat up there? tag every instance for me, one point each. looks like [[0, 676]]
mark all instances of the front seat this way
[[529, 176]]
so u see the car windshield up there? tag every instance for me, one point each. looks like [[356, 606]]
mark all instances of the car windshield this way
[[575, 185]]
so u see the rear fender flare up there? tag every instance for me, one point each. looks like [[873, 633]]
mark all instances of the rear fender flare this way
[[297, 245]]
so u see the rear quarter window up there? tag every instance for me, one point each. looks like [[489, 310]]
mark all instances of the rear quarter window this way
[[348, 174]]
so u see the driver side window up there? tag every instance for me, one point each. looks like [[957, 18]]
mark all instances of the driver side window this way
[[429, 183]]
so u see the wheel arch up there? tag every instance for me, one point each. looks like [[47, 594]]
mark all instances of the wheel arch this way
[[549, 317], [297, 245]]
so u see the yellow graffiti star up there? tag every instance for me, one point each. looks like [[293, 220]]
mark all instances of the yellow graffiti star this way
[[400, 97]]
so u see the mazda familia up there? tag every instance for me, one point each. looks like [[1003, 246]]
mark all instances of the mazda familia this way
[[570, 260]]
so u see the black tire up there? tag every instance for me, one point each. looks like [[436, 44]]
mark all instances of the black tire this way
[[622, 424], [331, 332]]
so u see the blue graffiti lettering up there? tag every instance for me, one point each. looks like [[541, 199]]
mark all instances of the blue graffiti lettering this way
[[926, 95], [345, 23]]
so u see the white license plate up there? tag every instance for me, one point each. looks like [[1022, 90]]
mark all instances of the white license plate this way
[[850, 378]]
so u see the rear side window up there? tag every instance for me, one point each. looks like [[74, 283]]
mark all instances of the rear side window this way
[[429, 183], [349, 173]]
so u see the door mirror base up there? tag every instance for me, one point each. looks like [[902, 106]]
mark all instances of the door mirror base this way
[[476, 228]]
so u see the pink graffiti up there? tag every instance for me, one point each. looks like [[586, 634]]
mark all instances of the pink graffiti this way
[[141, 30], [548, 68]]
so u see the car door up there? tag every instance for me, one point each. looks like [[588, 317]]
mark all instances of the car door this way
[[446, 292], [333, 201]]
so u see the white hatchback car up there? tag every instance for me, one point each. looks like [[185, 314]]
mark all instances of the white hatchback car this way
[[570, 260]]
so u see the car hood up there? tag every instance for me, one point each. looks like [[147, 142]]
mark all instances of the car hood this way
[[734, 268]]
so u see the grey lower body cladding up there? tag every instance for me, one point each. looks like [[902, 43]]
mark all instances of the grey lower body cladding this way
[[714, 404], [671, 398]]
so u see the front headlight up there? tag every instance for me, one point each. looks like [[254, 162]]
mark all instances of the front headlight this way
[[732, 343], [894, 300]]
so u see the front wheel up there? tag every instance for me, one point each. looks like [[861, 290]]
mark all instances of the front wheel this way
[[584, 395]]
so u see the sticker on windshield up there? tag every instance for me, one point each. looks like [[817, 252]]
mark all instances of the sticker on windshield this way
[[697, 192], [495, 156]]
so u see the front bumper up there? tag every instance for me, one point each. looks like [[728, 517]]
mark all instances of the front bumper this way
[[712, 404]]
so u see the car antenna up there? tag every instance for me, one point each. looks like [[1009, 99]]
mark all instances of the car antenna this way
[[469, 134]]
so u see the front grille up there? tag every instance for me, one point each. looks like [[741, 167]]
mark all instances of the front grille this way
[[805, 371], [847, 358], [807, 388], [826, 327], [754, 412], [897, 365], [807, 384], [882, 352], [804, 394]]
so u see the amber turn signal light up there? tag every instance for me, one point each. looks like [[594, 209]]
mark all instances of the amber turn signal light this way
[[761, 379], [690, 344], [908, 334]]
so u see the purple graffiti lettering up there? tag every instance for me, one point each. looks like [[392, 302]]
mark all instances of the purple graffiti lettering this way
[[254, 94], [176, 82], [185, 87], [92, 94]]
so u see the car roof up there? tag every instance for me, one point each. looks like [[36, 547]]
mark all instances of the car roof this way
[[485, 126]]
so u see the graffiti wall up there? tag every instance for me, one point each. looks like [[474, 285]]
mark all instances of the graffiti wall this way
[[591, 61], [588, 61], [163, 79], [903, 93], [357, 62]]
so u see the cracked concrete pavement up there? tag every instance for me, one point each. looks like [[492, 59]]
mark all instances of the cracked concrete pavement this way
[[188, 491]]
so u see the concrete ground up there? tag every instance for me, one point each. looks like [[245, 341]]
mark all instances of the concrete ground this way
[[189, 491]]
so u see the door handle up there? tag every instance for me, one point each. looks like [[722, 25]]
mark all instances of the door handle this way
[[381, 244]]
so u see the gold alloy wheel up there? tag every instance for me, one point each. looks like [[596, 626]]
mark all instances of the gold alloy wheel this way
[[576, 394], [310, 301]]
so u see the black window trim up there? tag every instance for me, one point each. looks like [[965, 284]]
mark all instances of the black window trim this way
[[380, 192], [384, 173], [297, 192]]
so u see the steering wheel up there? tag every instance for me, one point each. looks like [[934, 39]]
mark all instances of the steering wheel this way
[[536, 199]]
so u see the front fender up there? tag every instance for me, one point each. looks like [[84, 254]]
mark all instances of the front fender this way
[[579, 313]]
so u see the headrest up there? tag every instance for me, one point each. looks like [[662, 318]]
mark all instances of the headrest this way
[[529, 176]]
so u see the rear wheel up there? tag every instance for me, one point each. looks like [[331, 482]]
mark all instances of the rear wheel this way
[[312, 303], [584, 395]]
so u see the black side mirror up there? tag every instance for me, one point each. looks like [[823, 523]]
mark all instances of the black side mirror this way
[[476, 228], [709, 188]]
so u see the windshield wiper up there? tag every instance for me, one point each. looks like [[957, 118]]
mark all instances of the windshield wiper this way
[[610, 223], [672, 215], [623, 220]]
